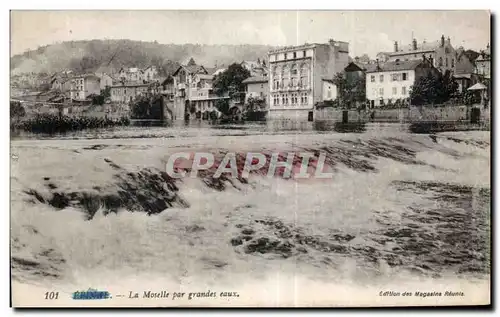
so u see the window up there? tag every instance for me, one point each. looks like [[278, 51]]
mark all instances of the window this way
[[261, 85], [440, 64], [294, 54], [329, 93], [446, 62], [452, 62], [405, 76], [381, 91], [285, 55], [304, 53], [282, 99], [395, 77], [394, 90], [381, 102], [381, 78], [372, 78], [403, 90], [294, 70]]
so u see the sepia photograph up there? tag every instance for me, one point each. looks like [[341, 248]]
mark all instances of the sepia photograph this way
[[250, 158]]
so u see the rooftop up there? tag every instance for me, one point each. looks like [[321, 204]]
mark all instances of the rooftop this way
[[393, 66], [256, 79], [421, 48]]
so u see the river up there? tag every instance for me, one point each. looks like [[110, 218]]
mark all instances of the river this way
[[93, 209]]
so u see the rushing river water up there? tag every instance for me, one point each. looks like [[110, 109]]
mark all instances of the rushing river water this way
[[95, 208]]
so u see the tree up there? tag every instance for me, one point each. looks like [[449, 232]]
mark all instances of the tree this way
[[433, 88], [229, 83], [231, 80], [255, 104], [16, 110], [146, 107], [223, 106], [351, 89]]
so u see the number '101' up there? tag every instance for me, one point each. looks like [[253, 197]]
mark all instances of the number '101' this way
[[51, 295]]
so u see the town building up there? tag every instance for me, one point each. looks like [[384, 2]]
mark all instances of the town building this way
[[106, 80], [133, 74], [150, 74], [465, 69], [483, 63], [355, 70], [392, 81], [296, 77], [127, 92], [329, 89], [441, 51], [189, 92], [257, 87], [83, 86], [62, 84], [383, 56], [256, 68]]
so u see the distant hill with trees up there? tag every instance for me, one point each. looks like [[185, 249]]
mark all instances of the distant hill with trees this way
[[110, 55]]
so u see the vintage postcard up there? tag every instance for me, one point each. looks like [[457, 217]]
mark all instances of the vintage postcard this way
[[250, 158]]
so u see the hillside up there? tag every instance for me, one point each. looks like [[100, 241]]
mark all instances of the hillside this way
[[111, 55]]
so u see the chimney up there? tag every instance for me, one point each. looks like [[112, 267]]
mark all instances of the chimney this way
[[442, 40], [414, 44], [395, 46]]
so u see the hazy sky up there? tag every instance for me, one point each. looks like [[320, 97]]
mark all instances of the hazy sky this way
[[366, 31]]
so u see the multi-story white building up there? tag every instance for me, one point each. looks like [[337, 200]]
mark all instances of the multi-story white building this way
[[297, 74], [391, 81], [441, 51], [84, 85]]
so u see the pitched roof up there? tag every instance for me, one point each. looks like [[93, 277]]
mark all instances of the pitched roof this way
[[354, 67], [211, 70], [421, 48], [256, 79], [205, 76], [472, 55], [394, 66], [192, 69]]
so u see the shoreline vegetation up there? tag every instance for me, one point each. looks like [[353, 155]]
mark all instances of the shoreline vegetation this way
[[54, 123]]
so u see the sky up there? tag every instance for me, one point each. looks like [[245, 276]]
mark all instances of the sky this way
[[367, 32]]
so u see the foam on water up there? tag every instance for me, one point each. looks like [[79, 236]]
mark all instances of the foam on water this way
[[351, 226]]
